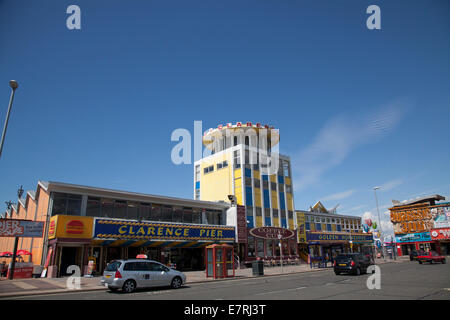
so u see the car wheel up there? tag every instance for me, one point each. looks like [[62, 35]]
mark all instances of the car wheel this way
[[337, 273], [431, 261], [358, 271], [129, 286], [176, 283], [420, 262]]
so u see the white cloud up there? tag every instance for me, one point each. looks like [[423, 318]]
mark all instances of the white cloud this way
[[339, 195], [338, 138], [391, 184]]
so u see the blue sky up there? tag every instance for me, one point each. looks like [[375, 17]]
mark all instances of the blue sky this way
[[356, 108]]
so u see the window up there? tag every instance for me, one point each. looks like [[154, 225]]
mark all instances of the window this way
[[257, 183], [152, 266], [275, 213], [156, 212], [260, 247], [133, 210], [307, 226], [120, 209], [286, 170], [166, 213], [318, 227], [258, 212], [248, 181], [208, 169], [290, 215], [222, 164], [107, 208], [187, 215], [251, 246], [64, 203], [144, 211], [196, 216], [237, 159], [197, 173], [177, 214], [269, 248], [93, 207], [273, 186]]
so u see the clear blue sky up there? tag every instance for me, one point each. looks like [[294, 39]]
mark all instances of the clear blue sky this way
[[355, 107]]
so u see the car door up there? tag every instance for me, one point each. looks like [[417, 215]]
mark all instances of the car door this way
[[160, 276]]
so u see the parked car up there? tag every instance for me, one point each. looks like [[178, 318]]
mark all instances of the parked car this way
[[430, 257], [140, 273], [355, 263], [414, 254]]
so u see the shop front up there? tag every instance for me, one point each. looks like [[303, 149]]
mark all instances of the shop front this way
[[263, 243], [91, 243], [441, 238], [324, 246], [414, 241]]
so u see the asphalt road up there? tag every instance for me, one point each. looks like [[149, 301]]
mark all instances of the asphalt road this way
[[408, 280]]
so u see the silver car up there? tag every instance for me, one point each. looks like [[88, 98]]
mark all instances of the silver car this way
[[130, 274]]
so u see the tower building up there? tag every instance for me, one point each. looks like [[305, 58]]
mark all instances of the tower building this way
[[243, 162]]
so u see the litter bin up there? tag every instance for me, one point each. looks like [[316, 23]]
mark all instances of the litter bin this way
[[258, 268]]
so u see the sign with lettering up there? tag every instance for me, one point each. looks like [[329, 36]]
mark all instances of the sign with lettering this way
[[413, 237], [133, 230], [62, 226], [336, 237], [440, 234], [241, 224], [21, 228], [272, 233]]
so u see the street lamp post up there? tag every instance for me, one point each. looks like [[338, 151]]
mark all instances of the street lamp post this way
[[14, 85], [16, 240], [379, 224], [281, 252]]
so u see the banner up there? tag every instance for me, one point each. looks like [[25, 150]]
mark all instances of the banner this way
[[413, 237], [21, 228], [133, 230]]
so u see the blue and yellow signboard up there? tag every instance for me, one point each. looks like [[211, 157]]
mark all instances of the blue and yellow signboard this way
[[134, 230]]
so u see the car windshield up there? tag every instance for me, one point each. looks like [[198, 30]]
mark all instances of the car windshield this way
[[113, 266], [345, 257]]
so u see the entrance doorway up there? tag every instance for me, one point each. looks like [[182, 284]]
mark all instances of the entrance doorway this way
[[69, 256]]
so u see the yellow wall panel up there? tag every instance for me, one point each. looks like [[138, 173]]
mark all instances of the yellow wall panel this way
[[215, 185], [258, 222], [273, 178], [257, 202], [276, 222]]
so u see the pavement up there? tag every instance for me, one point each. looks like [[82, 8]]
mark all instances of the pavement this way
[[35, 286]]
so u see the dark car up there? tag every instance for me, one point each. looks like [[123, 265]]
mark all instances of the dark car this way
[[414, 254], [355, 263]]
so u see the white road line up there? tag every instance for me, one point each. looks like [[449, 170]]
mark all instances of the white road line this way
[[24, 285], [270, 292]]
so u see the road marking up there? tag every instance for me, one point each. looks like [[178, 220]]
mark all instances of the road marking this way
[[24, 285], [270, 292]]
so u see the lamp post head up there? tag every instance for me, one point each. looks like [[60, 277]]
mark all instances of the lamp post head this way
[[376, 188], [13, 84]]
